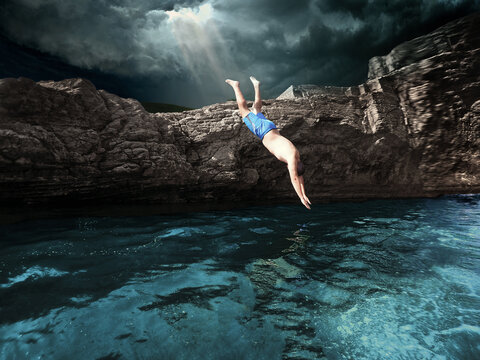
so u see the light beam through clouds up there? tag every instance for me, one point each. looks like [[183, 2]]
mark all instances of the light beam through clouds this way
[[203, 48]]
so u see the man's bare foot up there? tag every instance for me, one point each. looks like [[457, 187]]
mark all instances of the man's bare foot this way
[[254, 81], [232, 83]]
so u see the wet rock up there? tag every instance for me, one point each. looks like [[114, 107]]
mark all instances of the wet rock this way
[[411, 130]]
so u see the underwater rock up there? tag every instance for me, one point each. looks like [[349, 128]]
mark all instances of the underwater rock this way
[[411, 130]]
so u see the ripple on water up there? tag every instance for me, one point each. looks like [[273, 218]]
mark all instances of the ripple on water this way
[[33, 273], [261, 230]]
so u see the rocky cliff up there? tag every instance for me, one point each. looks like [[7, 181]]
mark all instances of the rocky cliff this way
[[411, 130]]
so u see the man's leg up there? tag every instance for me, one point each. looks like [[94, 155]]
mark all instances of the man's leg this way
[[241, 102], [257, 105]]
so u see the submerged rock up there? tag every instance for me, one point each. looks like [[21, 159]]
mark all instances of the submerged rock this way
[[411, 130]]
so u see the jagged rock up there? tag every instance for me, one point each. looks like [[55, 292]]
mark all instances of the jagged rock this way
[[455, 36], [296, 91], [411, 130]]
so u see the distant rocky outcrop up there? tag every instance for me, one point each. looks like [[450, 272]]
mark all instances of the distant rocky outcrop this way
[[411, 130]]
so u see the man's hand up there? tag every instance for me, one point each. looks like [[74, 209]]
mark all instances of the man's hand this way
[[297, 182], [306, 202]]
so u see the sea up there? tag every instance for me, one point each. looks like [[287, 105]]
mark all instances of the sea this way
[[379, 279]]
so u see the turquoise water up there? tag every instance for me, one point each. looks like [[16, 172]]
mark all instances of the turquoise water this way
[[374, 280]]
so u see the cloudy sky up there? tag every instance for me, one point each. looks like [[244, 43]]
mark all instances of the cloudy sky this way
[[180, 52]]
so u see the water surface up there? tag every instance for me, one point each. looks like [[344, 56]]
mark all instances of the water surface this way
[[381, 279]]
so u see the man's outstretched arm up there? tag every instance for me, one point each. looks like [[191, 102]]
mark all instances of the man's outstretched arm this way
[[298, 184]]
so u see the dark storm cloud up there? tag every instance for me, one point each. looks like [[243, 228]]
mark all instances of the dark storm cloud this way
[[330, 41], [181, 51], [89, 34]]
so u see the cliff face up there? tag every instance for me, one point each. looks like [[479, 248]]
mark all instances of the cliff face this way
[[411, 130]]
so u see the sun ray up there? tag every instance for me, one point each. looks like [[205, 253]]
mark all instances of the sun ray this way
[[203, 49]]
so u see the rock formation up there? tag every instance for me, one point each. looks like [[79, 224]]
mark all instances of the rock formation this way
[[411, 130]]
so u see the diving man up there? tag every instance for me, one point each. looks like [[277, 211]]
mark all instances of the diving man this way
[[265, 130]]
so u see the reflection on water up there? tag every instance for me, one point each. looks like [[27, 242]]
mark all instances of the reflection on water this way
[[374, 280]]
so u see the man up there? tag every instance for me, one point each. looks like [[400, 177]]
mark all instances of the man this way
[[281, 147]]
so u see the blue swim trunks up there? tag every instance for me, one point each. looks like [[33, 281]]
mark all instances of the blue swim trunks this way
[[258, 124]]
